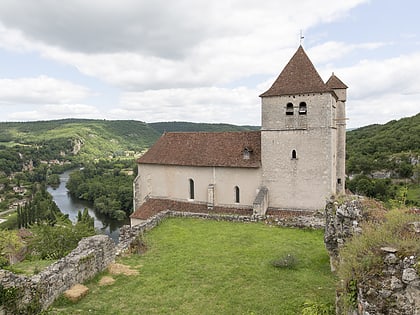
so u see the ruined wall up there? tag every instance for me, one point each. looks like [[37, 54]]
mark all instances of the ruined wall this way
[[29, 295], [394, 290]]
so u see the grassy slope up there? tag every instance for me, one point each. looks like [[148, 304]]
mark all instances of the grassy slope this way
[[208, 267]]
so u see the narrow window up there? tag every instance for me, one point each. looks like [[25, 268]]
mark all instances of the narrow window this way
[[294, 155], [302, 108], [247, 153], [191, 189], [289, 109], [339, 181], [236, 194]]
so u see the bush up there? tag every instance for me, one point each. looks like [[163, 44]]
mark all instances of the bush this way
[[316, 308], [288, 261]]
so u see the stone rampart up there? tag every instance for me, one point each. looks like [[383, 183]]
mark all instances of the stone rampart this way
[[29, 295]]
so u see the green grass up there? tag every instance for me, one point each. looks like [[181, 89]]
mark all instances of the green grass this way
[[413, 193], [207, 267], [30, 267]]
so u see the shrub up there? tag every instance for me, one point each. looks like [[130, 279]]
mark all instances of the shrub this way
[[317, 308], [288, 261]]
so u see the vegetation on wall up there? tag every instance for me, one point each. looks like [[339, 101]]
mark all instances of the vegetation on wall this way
[[360, 257]]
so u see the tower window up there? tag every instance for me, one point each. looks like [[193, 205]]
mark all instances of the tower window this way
[[289, 109], [302, 108], [236, 194], [294, 155], [191, 188]]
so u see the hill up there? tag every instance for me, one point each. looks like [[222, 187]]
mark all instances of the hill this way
[[87, 139], [82, 137], [394, 146], [180, 126]]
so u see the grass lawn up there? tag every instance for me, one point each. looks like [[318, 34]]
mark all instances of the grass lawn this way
[[207, 267]]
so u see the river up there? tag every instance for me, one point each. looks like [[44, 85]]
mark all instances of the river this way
[[70, 205]]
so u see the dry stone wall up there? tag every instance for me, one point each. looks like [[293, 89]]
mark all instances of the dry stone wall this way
[[29, 295]]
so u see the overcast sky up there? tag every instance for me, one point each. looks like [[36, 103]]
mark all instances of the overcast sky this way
[[201, 61]]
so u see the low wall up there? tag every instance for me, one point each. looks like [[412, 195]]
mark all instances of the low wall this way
[[29, 295]]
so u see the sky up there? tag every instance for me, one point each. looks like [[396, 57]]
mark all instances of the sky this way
[[201, 61]]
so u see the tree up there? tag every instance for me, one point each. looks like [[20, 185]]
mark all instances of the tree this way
[[10, 245]]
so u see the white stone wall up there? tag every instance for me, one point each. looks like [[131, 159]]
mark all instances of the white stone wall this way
[[307, 181], [166, 181]]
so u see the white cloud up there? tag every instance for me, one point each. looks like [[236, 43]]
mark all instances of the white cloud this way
[[382, 90], [139, 45], [174, 60], [238, 106], [39, 90], [54, 111], [331, 51]]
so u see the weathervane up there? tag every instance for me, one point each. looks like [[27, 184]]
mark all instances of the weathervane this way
[[301, 37]]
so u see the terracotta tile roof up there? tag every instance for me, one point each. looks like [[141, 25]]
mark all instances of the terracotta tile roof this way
[[298, 77], [153, 206], [205, 149], [335, 83]]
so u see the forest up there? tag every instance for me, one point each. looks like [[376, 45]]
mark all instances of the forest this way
[[107, 184]]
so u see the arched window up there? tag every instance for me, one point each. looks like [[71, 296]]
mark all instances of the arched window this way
[[302, 108], [289, 109], [237, 194], [191, 188], [294, 154]]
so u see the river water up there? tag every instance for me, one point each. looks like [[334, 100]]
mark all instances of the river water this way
[[70, 205]]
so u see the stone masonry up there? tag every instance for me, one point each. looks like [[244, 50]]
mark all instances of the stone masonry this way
[[32, 294], [396, 289]]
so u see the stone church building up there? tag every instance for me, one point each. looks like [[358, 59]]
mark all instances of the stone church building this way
[[294, 163]]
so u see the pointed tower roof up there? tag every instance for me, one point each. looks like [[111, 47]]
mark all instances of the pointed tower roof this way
[[335, 83], [298, 77]]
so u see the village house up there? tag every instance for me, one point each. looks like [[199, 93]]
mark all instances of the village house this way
[[294, 163]]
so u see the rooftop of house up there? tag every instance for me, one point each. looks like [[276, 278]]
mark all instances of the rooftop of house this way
[[223, 149]]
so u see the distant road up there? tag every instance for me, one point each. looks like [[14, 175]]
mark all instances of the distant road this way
[[6, 212]]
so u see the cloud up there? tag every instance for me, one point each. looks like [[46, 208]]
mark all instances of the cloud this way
[[54, 111], [237, 106], [382, 90], [139, 45], [39, 90]]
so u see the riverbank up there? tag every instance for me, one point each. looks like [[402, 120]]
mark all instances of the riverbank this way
[[71, 206]]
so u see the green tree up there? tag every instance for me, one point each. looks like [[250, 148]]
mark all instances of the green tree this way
[[10, 245]]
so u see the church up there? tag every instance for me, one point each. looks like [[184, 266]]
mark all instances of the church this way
[[294, 163]]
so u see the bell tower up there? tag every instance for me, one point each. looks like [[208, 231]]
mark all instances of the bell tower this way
[[302, 137]]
